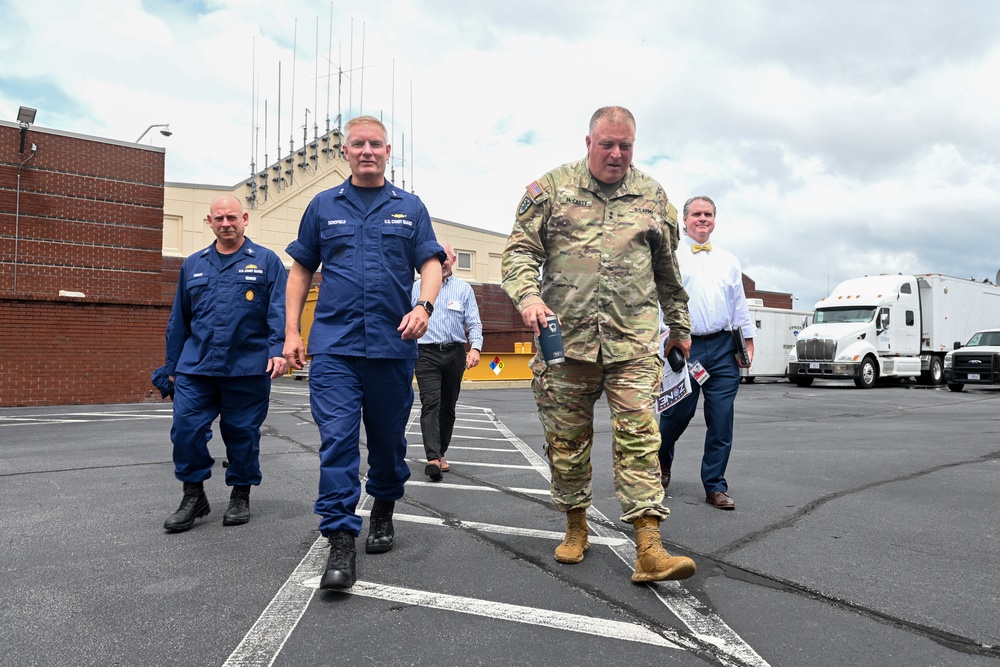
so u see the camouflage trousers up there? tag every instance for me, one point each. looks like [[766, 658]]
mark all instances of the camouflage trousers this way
[[566, 394]]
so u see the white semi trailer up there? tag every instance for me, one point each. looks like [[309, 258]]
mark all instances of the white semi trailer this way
[[777, 331], [891, 326]]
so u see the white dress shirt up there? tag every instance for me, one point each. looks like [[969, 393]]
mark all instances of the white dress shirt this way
[[713, 280]]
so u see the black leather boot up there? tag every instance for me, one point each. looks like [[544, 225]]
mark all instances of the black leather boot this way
[[341, 571], [380, 530], [194, 505], [238, 511]]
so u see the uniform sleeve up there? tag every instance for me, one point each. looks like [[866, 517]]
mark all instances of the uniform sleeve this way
[[179, 323], [306, 249], [525, 253], [473, 324], [667, 274], [427, 245], [277, 278]]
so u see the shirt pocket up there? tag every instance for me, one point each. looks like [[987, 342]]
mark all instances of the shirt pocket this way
[[338, 244], [250, 294], [197, 288], [397, 249]]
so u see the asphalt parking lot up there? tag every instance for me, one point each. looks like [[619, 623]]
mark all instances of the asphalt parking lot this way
[[865, 533]]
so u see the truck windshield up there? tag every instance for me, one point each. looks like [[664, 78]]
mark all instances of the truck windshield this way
[[985, 338], [842, 315]]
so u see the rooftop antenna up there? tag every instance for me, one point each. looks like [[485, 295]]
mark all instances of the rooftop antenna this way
[[350, 88], [315, 143], [392, 112], [252, 197], [329, 64], [291, 111], [361, 101], [277, 164], [263, 175], [411, 137]]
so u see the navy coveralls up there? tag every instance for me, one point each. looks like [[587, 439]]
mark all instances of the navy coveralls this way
[[228, 319], [361, 368]]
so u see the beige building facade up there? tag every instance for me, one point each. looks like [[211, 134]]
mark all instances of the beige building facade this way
[[279, 194]]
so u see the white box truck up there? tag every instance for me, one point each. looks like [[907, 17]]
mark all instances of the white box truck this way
[[891, 326], [777, 331]]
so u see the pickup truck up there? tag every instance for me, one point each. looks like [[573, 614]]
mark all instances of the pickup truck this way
[[977, 362]]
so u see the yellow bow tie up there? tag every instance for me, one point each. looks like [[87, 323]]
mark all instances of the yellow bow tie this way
[[698, 247]]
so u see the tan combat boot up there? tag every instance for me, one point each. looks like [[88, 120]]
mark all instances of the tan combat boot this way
[[652, 562], [576, 542]]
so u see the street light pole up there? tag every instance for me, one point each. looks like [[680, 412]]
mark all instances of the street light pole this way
[[165, 131]]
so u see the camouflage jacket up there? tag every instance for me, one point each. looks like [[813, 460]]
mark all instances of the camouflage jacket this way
[[602, 265]]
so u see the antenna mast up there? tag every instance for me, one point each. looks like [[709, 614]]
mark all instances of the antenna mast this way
[[291, 112]]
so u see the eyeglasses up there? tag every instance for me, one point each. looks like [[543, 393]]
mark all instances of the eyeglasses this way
[[358, 144]]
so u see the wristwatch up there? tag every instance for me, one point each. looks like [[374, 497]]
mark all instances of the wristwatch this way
[[428, 306]]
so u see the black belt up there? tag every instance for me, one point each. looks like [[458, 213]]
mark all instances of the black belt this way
[[444, 347], [709, 336]]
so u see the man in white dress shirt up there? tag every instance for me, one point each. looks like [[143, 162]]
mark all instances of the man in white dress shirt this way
[[443, 361], [713, 280]]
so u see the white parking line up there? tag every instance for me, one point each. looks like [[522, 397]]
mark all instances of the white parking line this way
[[546, 618], [513, 466], [495, 528], [479, 488]]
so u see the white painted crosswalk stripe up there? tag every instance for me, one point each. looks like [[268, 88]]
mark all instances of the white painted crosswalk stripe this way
[[610, 541], [479, 488], [546, 618]]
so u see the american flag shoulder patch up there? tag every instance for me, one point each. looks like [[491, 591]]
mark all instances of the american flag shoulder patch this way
[[535, 190]]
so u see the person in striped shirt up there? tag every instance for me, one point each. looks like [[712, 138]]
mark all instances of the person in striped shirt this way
[[442, 361]]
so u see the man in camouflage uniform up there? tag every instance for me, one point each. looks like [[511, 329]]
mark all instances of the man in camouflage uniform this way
[[603, 235]]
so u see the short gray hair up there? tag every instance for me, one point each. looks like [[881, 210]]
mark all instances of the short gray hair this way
[[614, 115], [687, 204]]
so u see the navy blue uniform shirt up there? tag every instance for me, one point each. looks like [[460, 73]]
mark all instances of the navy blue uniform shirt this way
[[228, 316], [368, 262]]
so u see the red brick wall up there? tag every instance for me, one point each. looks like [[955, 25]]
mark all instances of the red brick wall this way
[[87, 216], [63, 352], [502, 324]]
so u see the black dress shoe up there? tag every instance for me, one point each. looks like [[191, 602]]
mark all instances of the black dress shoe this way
[[341, 570], [194, 505], [665, 475], [380, 531], [238, 511], [720, 500]]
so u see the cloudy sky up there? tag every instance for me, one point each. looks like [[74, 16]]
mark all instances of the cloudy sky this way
[[838, 138]]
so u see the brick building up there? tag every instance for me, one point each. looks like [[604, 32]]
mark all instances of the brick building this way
[[79, 216]]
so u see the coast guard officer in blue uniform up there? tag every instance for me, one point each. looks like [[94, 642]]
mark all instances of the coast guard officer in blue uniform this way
[[224, 346], [369, 237]]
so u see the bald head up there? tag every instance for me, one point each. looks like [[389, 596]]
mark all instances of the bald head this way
[[449, 262], [228, 221]]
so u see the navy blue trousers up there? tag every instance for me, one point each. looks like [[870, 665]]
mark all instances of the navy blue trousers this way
[[241, 402], [717, 355], [343, 391]]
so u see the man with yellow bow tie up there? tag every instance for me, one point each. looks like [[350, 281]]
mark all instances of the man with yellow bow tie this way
[[713, 280]]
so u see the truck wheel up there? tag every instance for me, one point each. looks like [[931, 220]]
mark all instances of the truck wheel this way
[[935, 372], [869, 373], [956, 387], [749, 379], [803, 381]]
